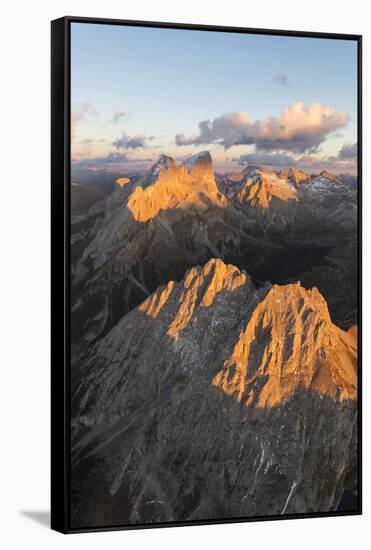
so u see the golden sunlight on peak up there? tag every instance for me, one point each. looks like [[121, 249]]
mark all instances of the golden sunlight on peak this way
[[263, 187], [121, 182], [176, 187], [289, 343], [223, 277], [153, 305], [200, 289]]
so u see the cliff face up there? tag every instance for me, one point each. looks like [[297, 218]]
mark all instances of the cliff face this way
[[263, 186], [290, 342], [170, 186], [200, 403]]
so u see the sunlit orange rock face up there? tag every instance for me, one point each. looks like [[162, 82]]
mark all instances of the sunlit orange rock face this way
[[177, 186], [296, 176], [290, 343], [262, 187], [200, 288], [353, 331], [121, 182]]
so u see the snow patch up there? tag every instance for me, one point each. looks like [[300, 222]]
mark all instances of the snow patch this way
[[191, 161]]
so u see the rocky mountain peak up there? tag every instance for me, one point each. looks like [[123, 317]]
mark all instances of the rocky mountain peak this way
[[199, 289], [328, 175], [202, 159], [164, 163], [288, 344], [168, 186], [294, 175], [252, 170], [325, 181], [262, 186]]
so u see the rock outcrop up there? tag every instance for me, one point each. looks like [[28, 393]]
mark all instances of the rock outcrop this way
[[261, 187], [294, 176], [170, 186], [214, 398]]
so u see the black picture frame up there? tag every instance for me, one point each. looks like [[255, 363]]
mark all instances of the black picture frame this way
[[60, 266]]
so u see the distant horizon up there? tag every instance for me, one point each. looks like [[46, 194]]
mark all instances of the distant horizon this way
[[272, 101], [90, 165]]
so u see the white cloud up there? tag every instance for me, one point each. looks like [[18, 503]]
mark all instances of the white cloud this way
[[298, 129]]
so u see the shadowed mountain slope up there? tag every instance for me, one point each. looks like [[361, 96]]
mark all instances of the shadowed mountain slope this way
[[200, 401]]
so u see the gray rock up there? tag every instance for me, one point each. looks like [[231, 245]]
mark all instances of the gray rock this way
[[215, 399]]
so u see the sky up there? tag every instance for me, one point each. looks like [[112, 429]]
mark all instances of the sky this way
[[277, 101]]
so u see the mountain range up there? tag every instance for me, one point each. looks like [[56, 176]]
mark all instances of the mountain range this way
[[214, 345]]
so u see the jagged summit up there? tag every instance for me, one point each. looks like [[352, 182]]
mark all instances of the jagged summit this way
[[294, 175], [200, 287], [328, 175], [252, 170], [288, 344], [326, 181], [261, 186], [202, 159], [169, 186], [164, 163]]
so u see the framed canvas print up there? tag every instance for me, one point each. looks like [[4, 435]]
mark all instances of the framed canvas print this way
[[206, 203]]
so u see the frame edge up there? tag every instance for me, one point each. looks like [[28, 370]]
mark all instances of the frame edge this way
[[59, 519]]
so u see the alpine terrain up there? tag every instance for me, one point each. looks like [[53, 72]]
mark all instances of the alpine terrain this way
[[214, 345]]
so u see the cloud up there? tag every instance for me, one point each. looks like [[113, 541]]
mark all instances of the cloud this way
[[305, 162], [281, 79], [267, 159], [109, 159], [112, 157], [79, 112], [117, 116], [226, 130], [113, 162], [348, 151], [128, 142], [297, 129]]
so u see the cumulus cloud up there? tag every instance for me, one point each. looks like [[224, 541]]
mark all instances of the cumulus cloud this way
[[281, 79], [298, 129], [117, 116], [267, 159], [348, 151], [131, 142], [226, 130], [79, 112]]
